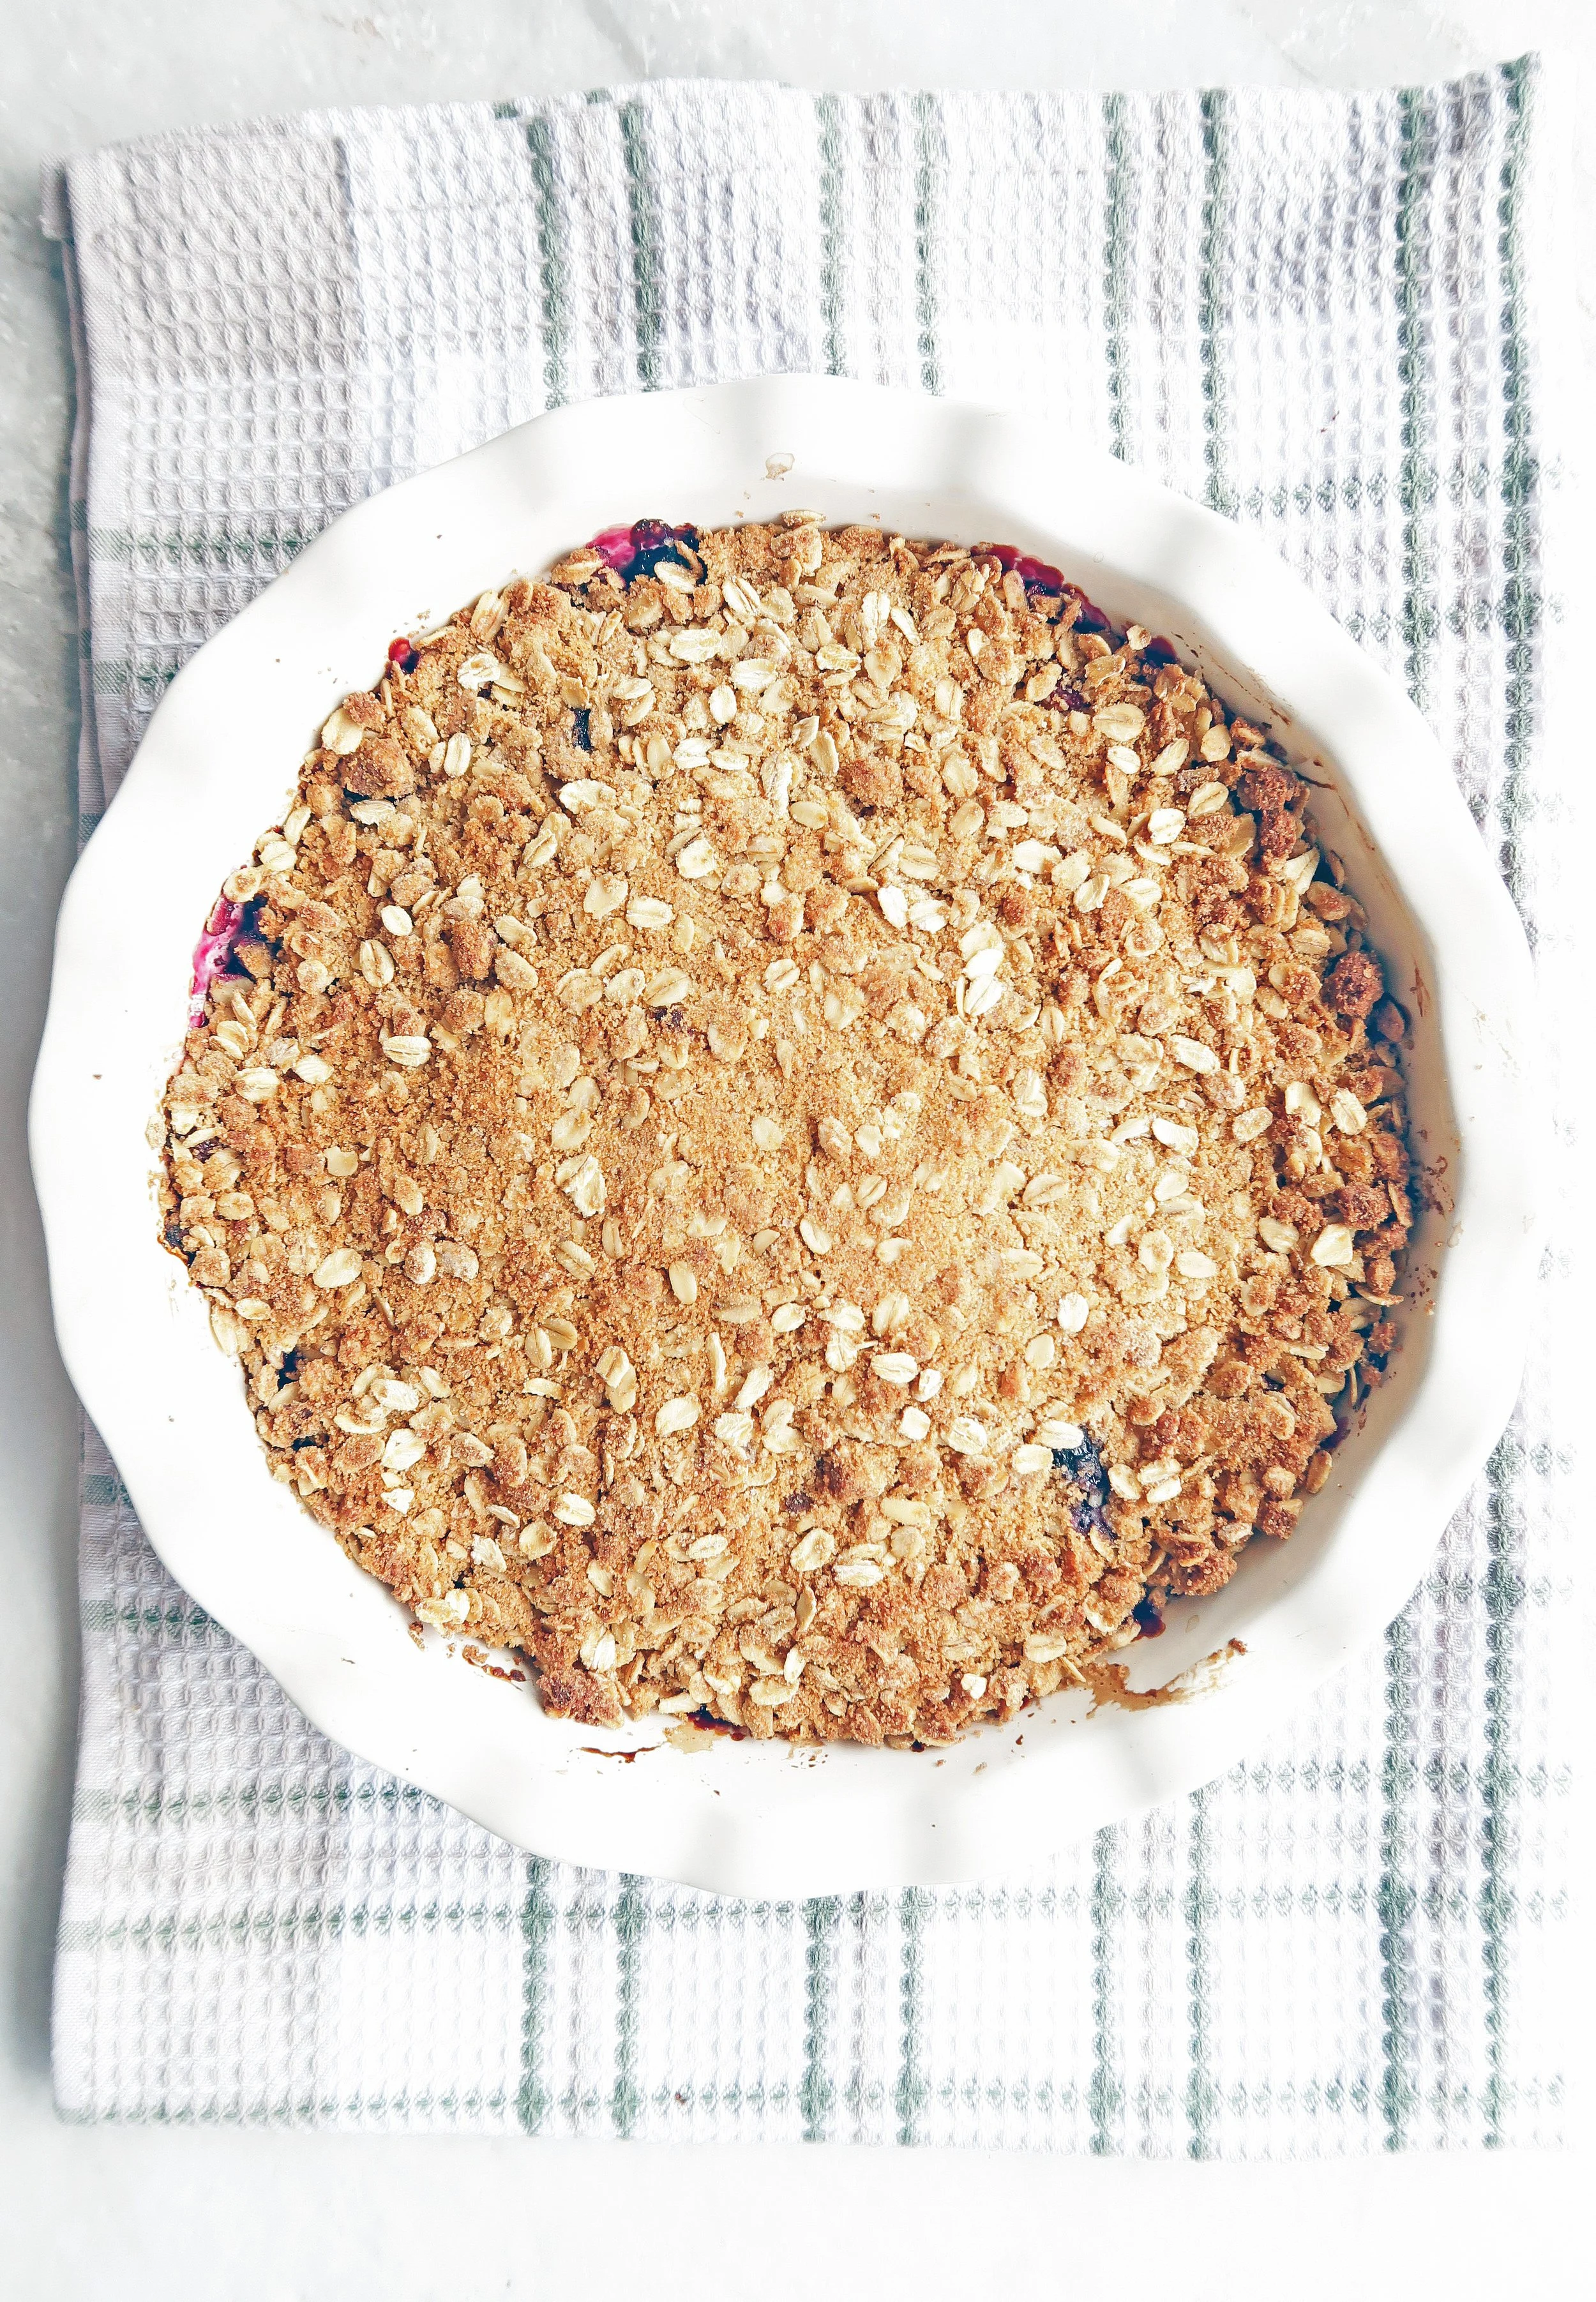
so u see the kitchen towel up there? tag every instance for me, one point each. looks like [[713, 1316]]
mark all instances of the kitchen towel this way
[[1333, 317]]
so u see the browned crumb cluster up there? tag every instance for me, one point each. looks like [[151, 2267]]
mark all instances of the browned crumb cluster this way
[[803, 1137]]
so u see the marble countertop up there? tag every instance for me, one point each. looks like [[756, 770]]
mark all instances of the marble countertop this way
[[131, 2214]]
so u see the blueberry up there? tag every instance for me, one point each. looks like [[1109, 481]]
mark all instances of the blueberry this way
[[581, 730], [1082, 1467], [639, 550], [652, 540]]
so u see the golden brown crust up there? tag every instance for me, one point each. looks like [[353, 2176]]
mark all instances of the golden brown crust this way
[[797, 1138]]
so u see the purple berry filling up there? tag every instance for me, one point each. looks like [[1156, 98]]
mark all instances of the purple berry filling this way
[[1083, 1467], [212, 953], [638, 550], [1067, 699], [1037, 576]]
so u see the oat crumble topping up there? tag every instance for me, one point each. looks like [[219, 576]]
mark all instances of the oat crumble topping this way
[[795, 1129]]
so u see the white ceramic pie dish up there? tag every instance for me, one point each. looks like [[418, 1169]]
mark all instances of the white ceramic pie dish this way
[[752, 1817]]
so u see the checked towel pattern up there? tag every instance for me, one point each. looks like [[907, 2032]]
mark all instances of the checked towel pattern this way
[[1328, 315]]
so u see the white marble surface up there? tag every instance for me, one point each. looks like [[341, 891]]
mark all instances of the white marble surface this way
[[131, 2215]]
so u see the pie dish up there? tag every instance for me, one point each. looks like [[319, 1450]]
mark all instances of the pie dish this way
[[756, 1817]]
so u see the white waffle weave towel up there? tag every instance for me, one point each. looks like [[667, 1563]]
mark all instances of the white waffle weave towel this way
[[1325, 315]]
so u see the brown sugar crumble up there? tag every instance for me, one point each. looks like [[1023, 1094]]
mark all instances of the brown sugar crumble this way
[[797, 1130]]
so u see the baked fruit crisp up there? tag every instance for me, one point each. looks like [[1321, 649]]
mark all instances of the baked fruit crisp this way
[[797, 1129]]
